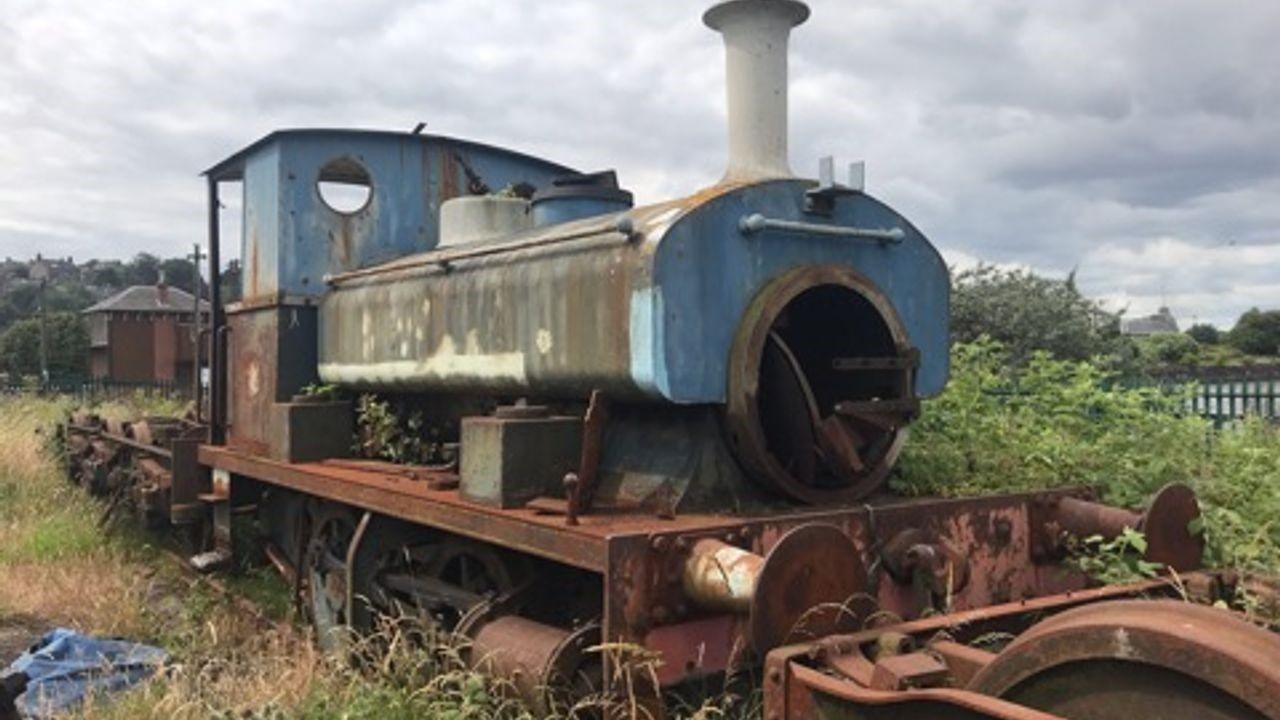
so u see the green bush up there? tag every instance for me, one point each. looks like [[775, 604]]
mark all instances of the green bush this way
[[1029, 313], [1257, 333], [1056, 423], [1205, 334], [68, 345], [1169, 349]]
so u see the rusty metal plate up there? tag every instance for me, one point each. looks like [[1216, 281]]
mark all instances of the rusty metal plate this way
[[804, 588], [1167, 526], [910, 670]]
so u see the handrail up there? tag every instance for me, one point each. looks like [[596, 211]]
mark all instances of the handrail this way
[[756, 223]]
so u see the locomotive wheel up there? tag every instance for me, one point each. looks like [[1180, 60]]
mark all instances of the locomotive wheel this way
[[332, 528], [471, 567], [1140, 659], [439, 582]]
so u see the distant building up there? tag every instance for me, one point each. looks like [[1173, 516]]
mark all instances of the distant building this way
[[143, 334], [1162, 323]]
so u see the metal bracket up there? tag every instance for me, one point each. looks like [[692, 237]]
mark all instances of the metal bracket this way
[[822, 199], [218, 500], [757, 223]]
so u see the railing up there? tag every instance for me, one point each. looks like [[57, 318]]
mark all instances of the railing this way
[[1216, 373], [1222, 401], [1229, 401], [95, 388], [1222, 394]]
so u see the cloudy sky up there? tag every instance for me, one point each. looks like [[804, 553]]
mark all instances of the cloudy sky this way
[[1136, 141]]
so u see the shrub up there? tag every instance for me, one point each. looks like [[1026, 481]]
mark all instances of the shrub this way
[[1204, 334], [1169, 349], [1056, 423], [1029, 313], [68, 345], [1257, 333]]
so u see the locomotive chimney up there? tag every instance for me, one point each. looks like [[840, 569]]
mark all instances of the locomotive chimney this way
[[755, 40]]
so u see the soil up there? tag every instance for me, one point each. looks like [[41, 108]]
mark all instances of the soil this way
[[17, 634]]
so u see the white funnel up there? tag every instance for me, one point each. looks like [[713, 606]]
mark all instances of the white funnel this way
[[755, 40]]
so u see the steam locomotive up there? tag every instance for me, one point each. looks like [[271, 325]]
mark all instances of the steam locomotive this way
[[665, 426]]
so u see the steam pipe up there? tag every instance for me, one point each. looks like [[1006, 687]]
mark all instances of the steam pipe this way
[[719, 576], [755, 40]]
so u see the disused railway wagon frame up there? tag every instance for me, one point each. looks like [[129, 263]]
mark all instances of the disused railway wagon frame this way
[[986, 563], [989, 550]]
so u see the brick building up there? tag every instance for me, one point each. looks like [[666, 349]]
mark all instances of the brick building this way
[[143, 334]]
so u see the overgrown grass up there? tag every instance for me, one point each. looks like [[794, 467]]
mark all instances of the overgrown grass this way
[[53, 562], [1004, 428], [996, 429], [228, 662], [56, 564]]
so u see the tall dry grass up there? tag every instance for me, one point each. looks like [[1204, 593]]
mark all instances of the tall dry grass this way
[[58, 566], [53, 563]]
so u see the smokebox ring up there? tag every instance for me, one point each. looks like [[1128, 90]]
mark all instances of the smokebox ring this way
[[742, 414]]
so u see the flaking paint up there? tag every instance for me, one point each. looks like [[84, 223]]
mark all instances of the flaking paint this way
[[653, 317]]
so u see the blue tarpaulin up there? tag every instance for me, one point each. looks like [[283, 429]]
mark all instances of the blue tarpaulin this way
[[66, 668]]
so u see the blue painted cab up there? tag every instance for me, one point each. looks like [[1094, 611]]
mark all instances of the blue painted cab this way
[[292, 239]]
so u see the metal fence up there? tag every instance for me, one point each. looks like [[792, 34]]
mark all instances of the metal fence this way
[[95, 388], [1230, 401]]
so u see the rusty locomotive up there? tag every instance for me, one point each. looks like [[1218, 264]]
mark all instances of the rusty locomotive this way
[[665, 426]]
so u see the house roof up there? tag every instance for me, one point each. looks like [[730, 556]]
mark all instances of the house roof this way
[[147, 299], [1162, 322]]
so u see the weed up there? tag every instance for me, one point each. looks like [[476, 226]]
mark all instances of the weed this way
[[383, 435], [264, 588], [1053, 423], [1114, 561], [60, 536], [322, 391]]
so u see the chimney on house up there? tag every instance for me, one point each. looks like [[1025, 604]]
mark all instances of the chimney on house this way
[[162, 290]]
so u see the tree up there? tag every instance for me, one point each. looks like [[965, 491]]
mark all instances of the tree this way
[[1257, 332], [68, 350], [229, 280], [107, 276], [179, 273], [144, 269], [1026, 312], [1169, 349], [1205, 334], [17, 303]]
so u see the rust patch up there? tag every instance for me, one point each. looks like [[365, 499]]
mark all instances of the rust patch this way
[[449, 172], [253, 290]]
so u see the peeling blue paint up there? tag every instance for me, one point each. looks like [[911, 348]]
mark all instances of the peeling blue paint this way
[[709, 271], [292, 239]]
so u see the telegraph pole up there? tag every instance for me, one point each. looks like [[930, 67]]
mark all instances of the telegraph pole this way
[[44, 338], [40, 273]]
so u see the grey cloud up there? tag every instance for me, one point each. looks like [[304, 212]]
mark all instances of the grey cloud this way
[[1052, 135]]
